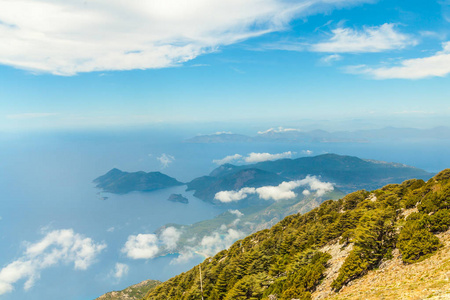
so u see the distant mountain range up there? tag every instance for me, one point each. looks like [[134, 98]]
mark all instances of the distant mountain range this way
[[119, 182], [322, 136], [348, 173]]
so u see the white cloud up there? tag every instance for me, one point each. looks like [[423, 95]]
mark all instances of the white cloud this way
[[236, 212], [227, 159], [110, 229], [184, 256], [253, 157], [57, 247], [169, 237], [307, 152], [328, 60], [370, 39], [165, 160], [141, 246], [212, 244], [437, 65], [283, 191], [279, 130], [120, 270], [316, 185], [230, 196], [148, 246], [259, 157], [72, 36]]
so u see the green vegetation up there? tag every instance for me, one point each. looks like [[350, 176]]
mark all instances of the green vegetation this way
[[349, 173], [286, 261], [119, 182], [249, 219], [133, 292]]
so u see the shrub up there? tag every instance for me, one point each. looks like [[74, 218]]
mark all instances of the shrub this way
[[353, 267], [415, 242], [440, 221]]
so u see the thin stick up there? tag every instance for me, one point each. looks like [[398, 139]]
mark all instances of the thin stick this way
[[201, 284]]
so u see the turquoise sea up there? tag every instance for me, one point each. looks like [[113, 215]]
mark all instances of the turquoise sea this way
[[46, 184]]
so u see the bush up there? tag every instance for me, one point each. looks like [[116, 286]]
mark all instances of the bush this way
[[411, 201], [350, 201], [415, 242], [353, 267], [436, 200], [440, 221], [248, 287]]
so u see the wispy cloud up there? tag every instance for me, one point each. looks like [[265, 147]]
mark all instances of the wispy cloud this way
[[57, 247], [278, 130], [165, 160], [236, 212], [120, 270], [283, 191], [170, 237], [330, 59], [253, 157], [210, 244], [437, 65], [285, 45], [30, 116], [40, 35], [445, 4], [227, 159], [369, 39]]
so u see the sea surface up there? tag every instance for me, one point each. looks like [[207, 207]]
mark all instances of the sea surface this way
[[46, 184]]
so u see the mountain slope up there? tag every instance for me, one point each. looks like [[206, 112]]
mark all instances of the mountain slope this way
[[133, 292], [290, 260], [427, 279], [119, 182]]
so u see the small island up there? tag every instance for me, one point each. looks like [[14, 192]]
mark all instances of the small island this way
[[178, 198], [119, 182]]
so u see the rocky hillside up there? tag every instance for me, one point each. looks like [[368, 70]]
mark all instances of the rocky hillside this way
[[390, 243], [133, 292], [428, 279]]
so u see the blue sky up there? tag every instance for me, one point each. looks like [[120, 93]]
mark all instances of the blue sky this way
[[86, 64]]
